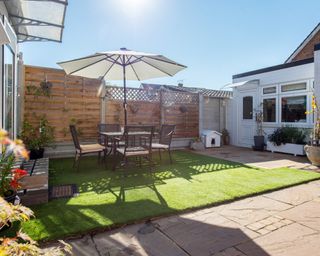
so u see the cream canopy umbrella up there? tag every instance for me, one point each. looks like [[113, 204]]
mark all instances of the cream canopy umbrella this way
[[122, 65]]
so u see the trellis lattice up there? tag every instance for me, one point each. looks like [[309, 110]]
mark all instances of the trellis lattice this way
[[137, 94], [170, 98], [133, 94]]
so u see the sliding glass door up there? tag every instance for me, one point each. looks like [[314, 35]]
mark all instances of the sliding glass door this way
[[8, 86]]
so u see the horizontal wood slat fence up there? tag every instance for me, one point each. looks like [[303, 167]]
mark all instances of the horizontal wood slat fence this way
[[73, 100]]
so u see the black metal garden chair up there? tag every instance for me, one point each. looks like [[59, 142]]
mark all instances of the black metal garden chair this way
[[165, 138], [83, 149], [138, 141]]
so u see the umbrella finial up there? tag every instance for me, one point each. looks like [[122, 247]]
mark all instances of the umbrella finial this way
[[124, 49]]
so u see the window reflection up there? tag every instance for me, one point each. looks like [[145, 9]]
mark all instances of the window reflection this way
[[8, 90], [293, 109], [269, 110]]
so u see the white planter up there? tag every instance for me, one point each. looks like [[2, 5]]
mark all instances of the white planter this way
[[288, 148]]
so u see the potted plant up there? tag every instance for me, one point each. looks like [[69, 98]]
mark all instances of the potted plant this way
[[259, 137], [9, 176], [37, 138], [287, 139], [196, 144], [22, 244], [313, 148], [225, 136]]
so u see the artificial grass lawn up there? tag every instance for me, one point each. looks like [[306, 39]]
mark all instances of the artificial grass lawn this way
[[110, 198]]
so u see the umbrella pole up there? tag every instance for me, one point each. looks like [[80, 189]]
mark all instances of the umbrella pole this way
[[124, 95]]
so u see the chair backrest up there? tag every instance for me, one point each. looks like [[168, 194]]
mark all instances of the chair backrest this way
[[166, 132], [75, 138], [138, 136], [107, 128]]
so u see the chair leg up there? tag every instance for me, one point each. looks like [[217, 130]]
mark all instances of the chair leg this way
[[160, 154], [78, 161], [105, 157], [75, 160], [99, 156], [115, 163], [169, 151]]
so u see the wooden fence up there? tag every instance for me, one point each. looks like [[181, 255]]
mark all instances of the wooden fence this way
[[72, 99]]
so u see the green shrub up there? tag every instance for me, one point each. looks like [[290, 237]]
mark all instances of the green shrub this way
[[288, 134]]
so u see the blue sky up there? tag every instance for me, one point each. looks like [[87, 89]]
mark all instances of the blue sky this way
[[215, 39]]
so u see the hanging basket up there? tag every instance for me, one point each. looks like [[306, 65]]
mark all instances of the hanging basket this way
[[183, 109], [134, 108]]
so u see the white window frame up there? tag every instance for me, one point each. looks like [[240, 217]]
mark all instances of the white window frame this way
[[288, 95], [251, 119], [269, 94], [14, 48], [273, 96]]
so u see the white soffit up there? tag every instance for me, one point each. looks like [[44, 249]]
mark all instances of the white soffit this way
[[4, 37], [233, 85], [37, 20]]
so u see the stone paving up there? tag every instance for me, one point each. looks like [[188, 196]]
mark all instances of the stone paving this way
[[259, 159], [285, 222]]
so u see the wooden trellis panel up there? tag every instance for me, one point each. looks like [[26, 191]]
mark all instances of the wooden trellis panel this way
[[155, 107], [72, 100]]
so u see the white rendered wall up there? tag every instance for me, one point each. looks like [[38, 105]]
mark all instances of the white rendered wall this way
[[317, 75], [242, 134]]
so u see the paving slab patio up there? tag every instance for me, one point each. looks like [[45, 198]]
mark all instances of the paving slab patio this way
[[265, 159], [285, 222]]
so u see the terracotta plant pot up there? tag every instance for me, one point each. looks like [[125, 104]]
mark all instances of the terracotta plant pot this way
[[313, 154]]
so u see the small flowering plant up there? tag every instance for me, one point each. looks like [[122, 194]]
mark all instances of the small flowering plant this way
[[11, 150], [315, 110]]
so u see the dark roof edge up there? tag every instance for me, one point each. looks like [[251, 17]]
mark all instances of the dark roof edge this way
[[317, 47], [304, 41], [274, 68]]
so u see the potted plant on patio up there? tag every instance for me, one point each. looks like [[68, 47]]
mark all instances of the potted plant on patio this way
[[10, 176], [313, 148], [197, 144], [287, 139], [37, 138], [259, 143], [225, 136]]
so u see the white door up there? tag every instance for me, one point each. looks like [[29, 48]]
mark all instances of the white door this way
[[246, 118]]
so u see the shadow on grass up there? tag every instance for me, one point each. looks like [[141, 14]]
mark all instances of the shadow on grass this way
[[97, 178]]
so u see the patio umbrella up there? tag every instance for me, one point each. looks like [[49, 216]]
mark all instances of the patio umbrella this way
[[122, 65]]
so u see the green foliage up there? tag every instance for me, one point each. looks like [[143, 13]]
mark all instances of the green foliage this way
[[225, 132], [43, 90], [22, 244], [288, 134], [37, 137]]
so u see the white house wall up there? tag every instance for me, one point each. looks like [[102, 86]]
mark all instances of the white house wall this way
[[242, 132]]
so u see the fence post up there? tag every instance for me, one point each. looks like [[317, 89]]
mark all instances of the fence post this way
[[200, 113], [161, 108]]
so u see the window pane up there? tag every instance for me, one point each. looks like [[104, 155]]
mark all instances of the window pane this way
[[247, 107], [293, 87], [8, 90], [269, 90], [293, 109], [269, 110]]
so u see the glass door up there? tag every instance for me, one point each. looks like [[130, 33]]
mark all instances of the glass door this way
[[8, 82]]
